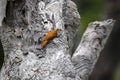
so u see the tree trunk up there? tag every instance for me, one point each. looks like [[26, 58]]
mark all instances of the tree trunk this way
[[25, 26]]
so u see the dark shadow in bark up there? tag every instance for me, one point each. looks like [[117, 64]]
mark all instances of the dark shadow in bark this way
[[1, 55]]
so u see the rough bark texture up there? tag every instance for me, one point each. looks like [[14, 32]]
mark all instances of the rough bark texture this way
[[30, 21], [2, 10], [2, 15], [92, 43]]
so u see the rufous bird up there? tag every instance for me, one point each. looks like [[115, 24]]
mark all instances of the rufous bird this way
[[49, 36]]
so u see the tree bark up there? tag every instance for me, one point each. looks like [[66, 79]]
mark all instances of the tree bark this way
[[21, 34], [2, 10], [110, 55]]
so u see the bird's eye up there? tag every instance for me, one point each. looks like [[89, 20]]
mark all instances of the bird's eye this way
[[39, 40]]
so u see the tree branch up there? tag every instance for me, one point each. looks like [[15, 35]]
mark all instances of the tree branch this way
[[92, 43]]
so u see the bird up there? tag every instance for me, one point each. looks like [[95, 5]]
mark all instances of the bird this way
[[49, 36]]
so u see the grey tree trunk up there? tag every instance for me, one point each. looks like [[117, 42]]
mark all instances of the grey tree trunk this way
[[26, 24]]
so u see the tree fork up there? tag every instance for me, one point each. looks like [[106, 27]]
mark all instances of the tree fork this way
[[32, 20]]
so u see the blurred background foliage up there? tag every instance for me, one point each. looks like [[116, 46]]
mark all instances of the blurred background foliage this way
[[90, 10], [116, 75]]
